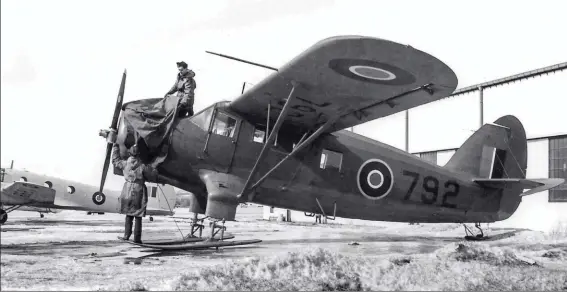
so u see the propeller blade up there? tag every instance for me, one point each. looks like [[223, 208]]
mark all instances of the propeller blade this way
[[119, 101], [105, 167], [113, 125]]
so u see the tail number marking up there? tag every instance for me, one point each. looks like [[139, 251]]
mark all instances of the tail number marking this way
[[430, 189]]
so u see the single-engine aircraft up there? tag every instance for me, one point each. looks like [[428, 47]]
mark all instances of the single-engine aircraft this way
[[27, 191], [283, 143]]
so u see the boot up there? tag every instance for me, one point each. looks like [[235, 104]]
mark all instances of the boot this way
[[138, 230], [128, 227]]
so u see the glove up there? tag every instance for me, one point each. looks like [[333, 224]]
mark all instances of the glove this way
[[111, 136]]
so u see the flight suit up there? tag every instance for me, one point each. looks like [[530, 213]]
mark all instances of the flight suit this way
[[134, 196], [185, 87]]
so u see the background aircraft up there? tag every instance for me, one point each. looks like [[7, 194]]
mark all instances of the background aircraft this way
[[283, 144], [28, 191]]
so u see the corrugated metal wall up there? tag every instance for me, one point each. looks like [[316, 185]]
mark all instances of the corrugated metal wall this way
[[558, 167]]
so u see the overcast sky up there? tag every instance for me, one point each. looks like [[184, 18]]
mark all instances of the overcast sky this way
[[62, 60]]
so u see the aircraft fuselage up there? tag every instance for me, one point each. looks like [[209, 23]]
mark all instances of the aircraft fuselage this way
[[358, 177]]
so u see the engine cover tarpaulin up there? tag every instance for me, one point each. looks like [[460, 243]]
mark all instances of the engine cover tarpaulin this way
[[152, 120]]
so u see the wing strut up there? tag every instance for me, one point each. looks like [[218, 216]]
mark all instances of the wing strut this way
[[297, 148], [247, 190], [13, 208], [271, 137]]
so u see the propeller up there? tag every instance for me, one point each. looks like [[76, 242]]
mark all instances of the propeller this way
[[110, 134]]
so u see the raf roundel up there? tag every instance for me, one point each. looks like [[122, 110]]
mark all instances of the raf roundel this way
[[99, 198], [375, 179], [371, 71]]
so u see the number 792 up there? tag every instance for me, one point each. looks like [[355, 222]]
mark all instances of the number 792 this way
[[430, 189]]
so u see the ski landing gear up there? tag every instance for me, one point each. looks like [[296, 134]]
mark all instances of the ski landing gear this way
[[469, 235], [192, 241]]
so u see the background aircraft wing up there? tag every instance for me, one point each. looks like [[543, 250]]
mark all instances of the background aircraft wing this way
[[352, 78], [23, 193]]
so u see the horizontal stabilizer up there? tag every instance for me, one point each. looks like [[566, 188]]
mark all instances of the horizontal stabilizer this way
[[534, 185]]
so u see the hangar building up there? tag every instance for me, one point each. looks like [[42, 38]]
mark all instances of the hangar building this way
[[435, 130]]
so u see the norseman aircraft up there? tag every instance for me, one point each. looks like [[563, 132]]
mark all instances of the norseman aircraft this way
[[283, 143], [27, 191]]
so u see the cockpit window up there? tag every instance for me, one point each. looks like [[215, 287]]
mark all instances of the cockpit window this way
[[203, 119], [259, 135], [224, 125]]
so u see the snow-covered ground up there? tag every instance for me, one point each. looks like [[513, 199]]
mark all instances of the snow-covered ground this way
[[74, 251]]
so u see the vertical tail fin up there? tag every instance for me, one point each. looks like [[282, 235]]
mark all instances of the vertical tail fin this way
[[497, 150]]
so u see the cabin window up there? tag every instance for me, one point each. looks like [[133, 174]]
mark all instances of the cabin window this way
[[154, 192], [71, 189], [203, 119], [23, 178], [224, 125], [259, 135], [331, 160], [48, 184]]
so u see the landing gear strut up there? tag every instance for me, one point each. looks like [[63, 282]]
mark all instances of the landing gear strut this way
[[196, 225], [469, 235], [215, 228], [4, 213]]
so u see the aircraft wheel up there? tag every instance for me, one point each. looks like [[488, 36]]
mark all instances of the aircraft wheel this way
[[41, 215], [151, 219], [3, 216]]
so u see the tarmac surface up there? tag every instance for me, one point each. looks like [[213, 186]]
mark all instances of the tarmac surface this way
[[75, 251]]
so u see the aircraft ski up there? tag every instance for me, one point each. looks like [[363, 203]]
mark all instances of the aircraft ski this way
[[194, 243], [187, 239]]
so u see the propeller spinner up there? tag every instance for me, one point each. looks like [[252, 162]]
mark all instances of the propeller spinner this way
[[110, 135]]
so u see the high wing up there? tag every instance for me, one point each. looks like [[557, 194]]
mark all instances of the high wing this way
[[352, 79]]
